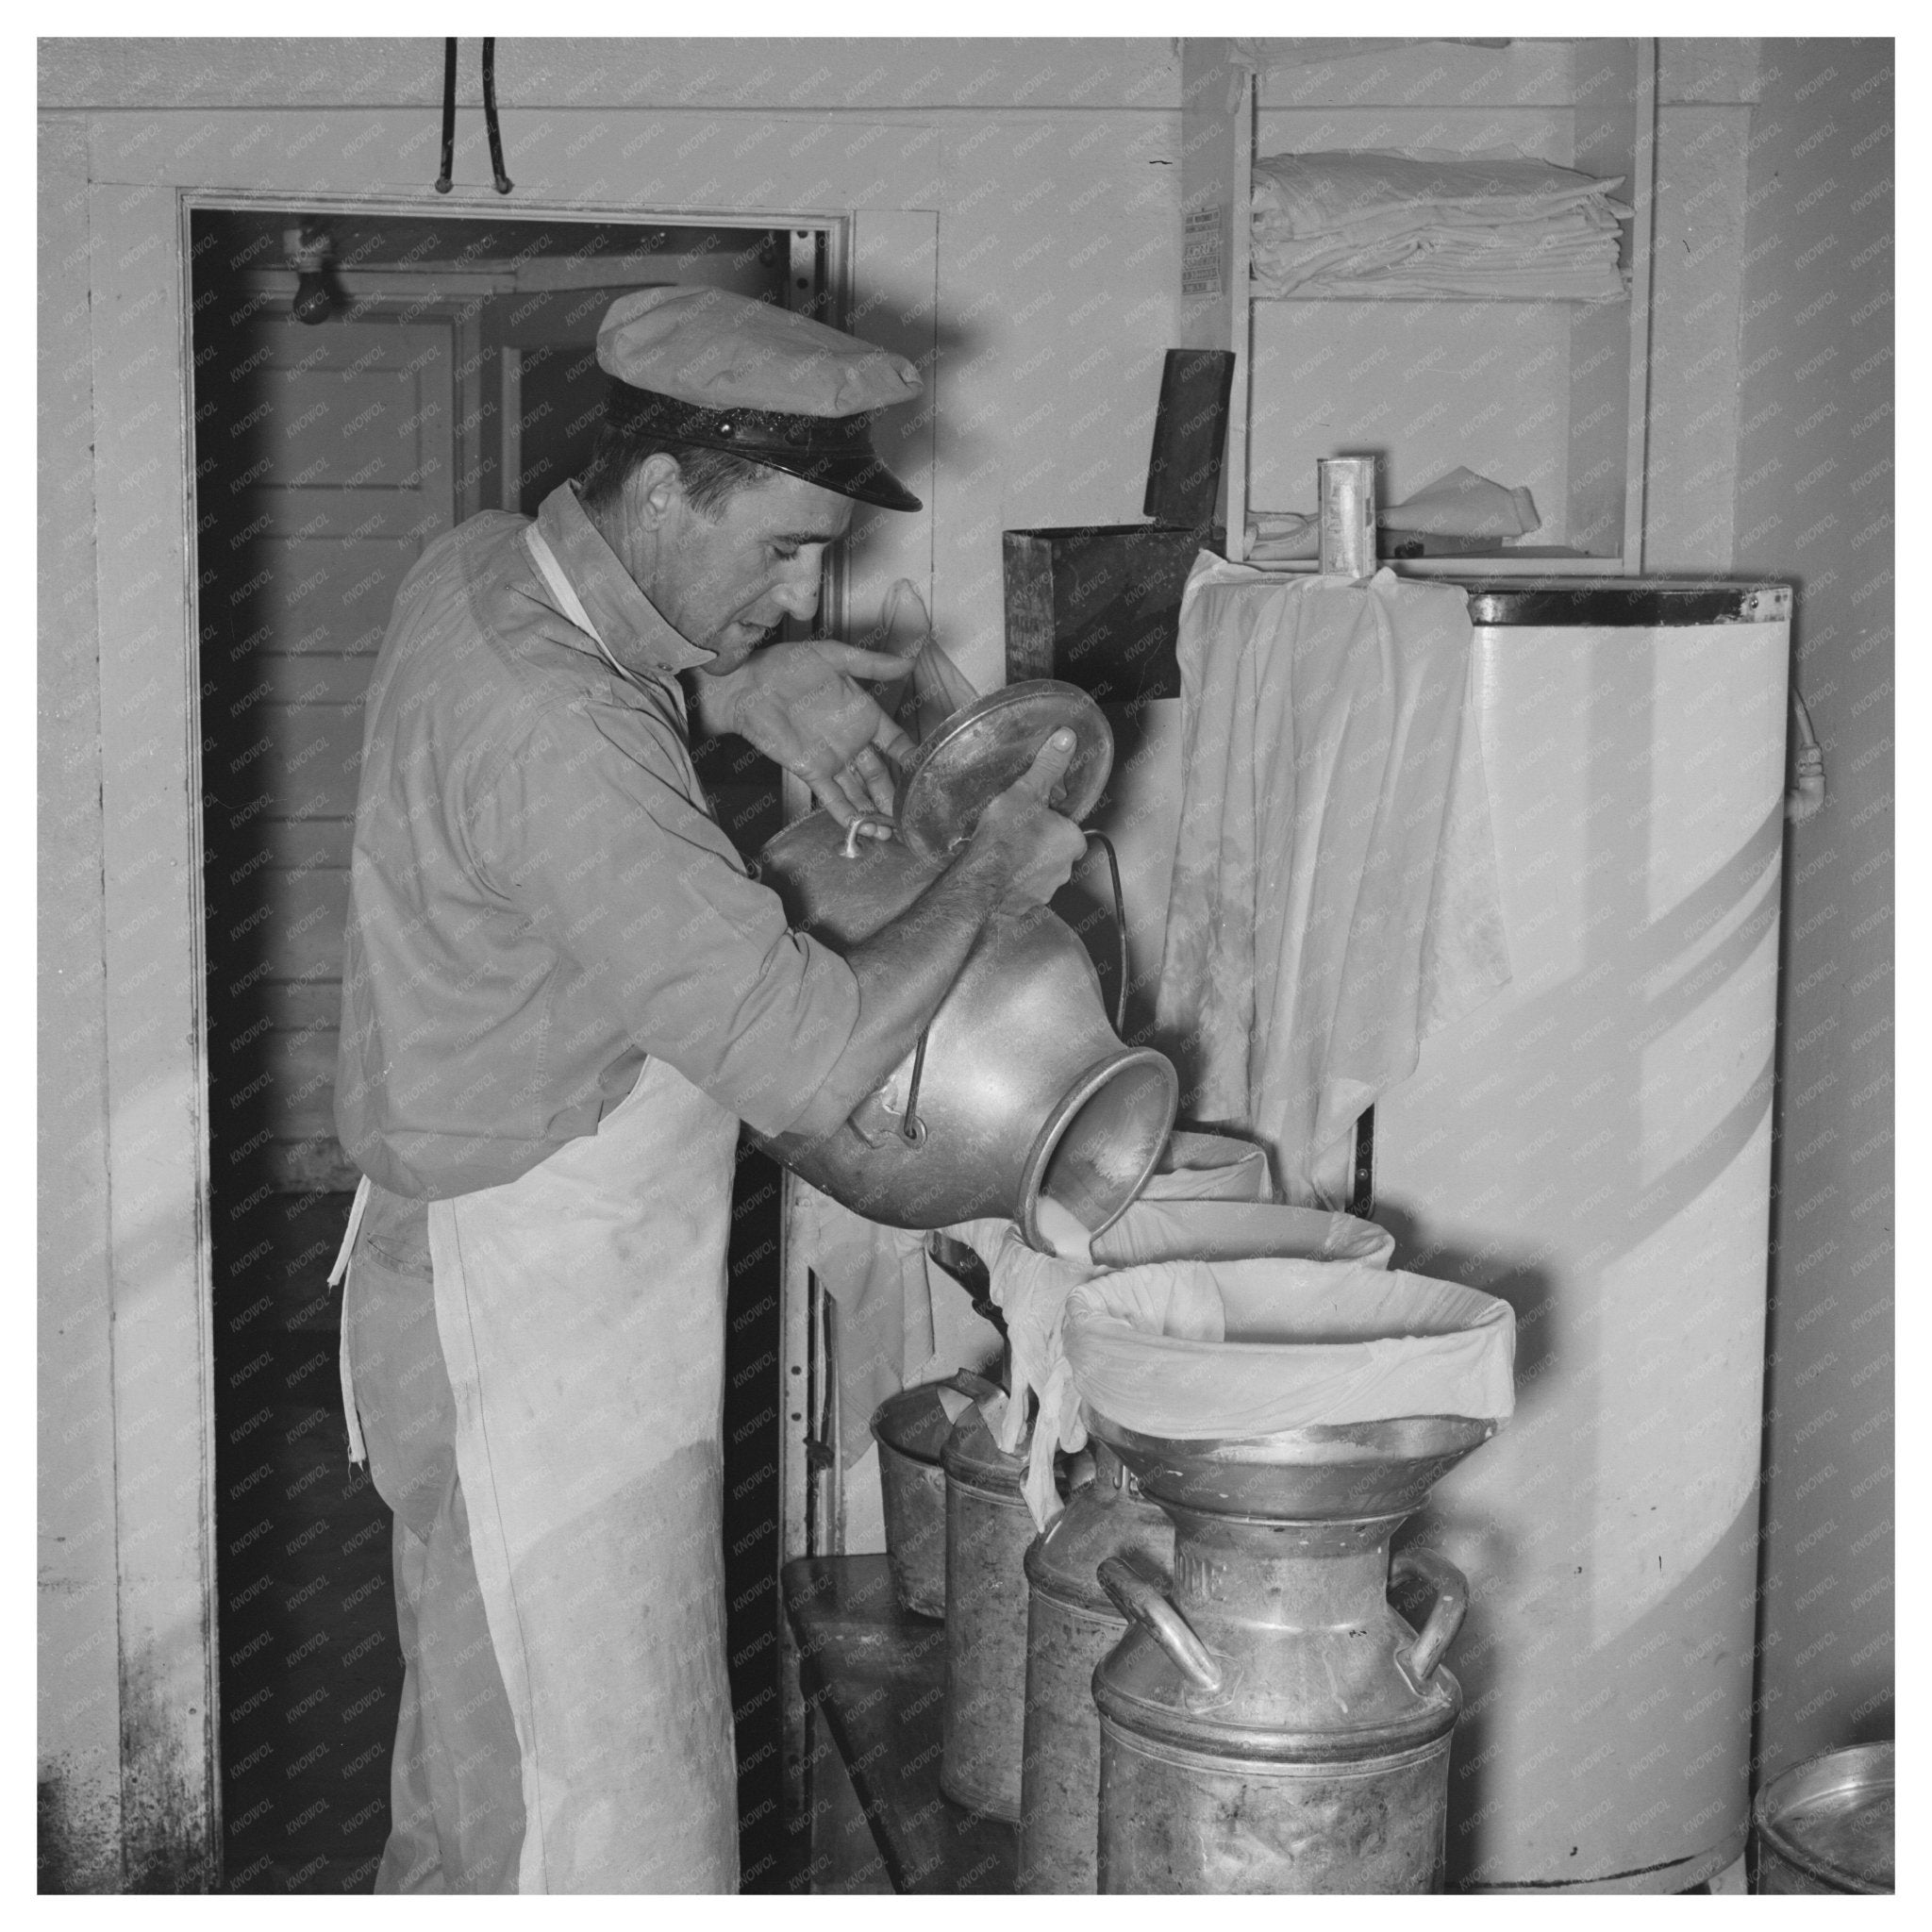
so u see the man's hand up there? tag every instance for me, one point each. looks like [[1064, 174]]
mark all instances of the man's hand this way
[[1019, 854], [1020, 832], [798, 703]]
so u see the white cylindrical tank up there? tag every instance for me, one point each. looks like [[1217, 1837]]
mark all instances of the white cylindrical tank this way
[[1595, 1146]]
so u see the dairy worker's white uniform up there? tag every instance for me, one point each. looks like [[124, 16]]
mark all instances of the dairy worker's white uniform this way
[[580, 1311], [581, 1314]]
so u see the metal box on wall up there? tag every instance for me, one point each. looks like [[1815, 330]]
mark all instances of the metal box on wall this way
[[1098, 605]]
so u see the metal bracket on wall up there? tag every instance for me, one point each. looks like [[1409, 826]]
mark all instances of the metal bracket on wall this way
[[1361, 1190]]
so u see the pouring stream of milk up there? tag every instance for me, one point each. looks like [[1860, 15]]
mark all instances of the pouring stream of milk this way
[[1064, 1232]]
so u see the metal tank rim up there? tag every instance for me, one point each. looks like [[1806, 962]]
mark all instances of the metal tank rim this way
[[1173, 1737], [1324, 1472]]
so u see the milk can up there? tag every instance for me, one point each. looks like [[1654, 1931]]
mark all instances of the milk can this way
[[911, 1428], [987, 1529], [1070, 1625], [1073, 1622], [1272, 1725], [1019, 1088]]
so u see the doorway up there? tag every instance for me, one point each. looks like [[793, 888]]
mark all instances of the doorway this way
[[438, 367]]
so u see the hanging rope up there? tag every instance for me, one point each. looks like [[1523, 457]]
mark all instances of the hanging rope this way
[[491, 124]]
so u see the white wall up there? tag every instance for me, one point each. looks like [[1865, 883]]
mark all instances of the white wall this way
[[78, 1652], [1704, 90], [1814, 505]]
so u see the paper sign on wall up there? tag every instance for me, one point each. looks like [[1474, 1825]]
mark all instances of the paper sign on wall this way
[[1200, 252]]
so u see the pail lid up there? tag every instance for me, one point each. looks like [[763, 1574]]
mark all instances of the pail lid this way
[[917, 1421], [971, 1454], [979, 751]]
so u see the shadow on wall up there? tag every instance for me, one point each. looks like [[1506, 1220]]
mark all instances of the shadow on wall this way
[[1616, 1519]]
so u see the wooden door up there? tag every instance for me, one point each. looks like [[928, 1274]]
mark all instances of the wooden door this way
[[344, 460]]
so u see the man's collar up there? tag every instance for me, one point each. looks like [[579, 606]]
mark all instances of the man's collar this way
[[625, 618]]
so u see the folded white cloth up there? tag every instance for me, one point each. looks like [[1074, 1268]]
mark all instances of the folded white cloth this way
[[1326, 193], [1371, 224], [1462, 504]]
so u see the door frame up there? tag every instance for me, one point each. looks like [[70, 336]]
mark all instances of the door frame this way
[[147, 173]]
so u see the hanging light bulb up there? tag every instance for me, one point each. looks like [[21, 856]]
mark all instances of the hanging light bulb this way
[[310, 248]]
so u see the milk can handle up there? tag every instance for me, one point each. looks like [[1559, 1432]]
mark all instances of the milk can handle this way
[[1142, 1603], [1445, 1619], [855, 832], [1120, 927]]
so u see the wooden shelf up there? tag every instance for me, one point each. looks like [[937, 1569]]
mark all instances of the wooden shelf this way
[[1367, 293], [1547, 391]]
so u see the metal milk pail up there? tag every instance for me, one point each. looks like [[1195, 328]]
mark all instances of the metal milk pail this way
[[987, 1529], [1070, 1625], [911, 1428]]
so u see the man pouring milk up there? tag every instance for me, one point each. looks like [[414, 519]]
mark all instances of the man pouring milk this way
[[562, 994]]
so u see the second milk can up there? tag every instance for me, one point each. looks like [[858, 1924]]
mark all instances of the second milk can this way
[[1070, 1625], [987, 1529], [911, 1428]]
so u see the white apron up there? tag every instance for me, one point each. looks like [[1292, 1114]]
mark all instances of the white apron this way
[[580, 1313]]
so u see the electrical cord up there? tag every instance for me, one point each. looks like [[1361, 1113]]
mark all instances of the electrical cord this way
[[449, 117], [491, 124], [496, 133]]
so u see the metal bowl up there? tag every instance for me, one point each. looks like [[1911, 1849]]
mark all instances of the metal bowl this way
[[1827, 1825], [1323, 1472]]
